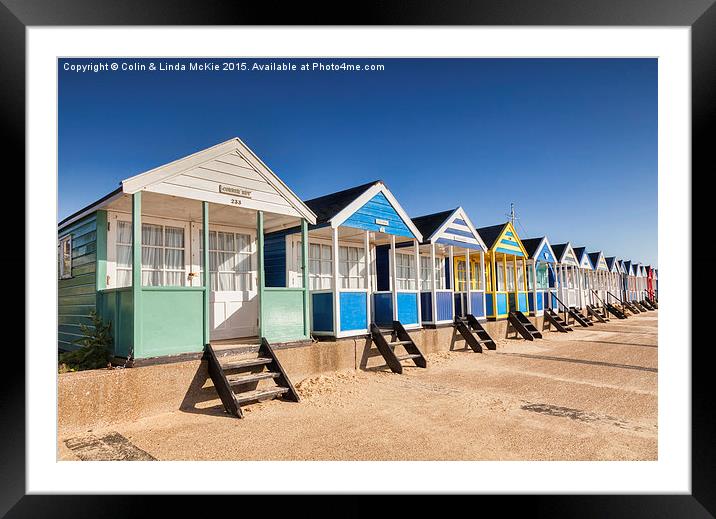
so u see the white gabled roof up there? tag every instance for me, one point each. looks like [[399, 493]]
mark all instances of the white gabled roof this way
[[228, 173], [444, 231]]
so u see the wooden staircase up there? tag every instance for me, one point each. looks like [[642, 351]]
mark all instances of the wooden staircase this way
[[523, 326], [474, 333], [398, 337], [237, 381], [641, 307], [615, 311], [579, 317], [647, 304], [598, 313], [554, 319]]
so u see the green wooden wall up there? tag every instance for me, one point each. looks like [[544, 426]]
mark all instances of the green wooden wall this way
[[77, 296]]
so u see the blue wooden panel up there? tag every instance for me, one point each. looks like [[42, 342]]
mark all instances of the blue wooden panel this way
[[458, 304], [383, 309], [382, 267], [463, 244], [522, 300], [380, 208], [501, 304], [476, 304], [353, 311], [426, 306], [408, 308], [540, 301], [545, 255], [509, 251], [322, 312], [489, 305], [275, 258], [531, 301], [443, 301]]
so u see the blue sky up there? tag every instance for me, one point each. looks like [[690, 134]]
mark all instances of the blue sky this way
[[572, 142]]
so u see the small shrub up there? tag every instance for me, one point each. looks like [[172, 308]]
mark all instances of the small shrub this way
[[95, 350]]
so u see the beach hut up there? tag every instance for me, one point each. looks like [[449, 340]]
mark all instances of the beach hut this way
[[630, 281], [639, 282], [613, 280], [363, 257], [452, 267], [541, 277], [585, 278], [567, 269], [656, 285], [174, 258], [600, 278], [505, 271]]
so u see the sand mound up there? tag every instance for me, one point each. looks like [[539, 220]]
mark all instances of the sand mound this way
[[320, 385]]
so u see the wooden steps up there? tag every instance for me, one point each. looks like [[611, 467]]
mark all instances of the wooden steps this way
[[580, 318], [597, 313], [616, 311], [647, 304], [554, 319], [523, 326], [236, 381], [474, 333], [399, 337]]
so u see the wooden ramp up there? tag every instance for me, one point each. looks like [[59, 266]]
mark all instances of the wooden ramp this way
[[523, 326], [398, 337], [237, 381], [474, 333]]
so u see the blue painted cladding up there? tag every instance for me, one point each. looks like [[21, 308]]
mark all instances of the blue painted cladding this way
[[383, 309], [464, 244], [531, 301], [545, 255], [522, 300], [378, 207], [501, 303], [517, 253], [459, 221], [489, 305], [408, 308], [448, 281], [540, 301], [382, 268], [275, 258], [444, 305], [551, 276], [458, 304], [426, 306], [322, 312], [353, 311], [476, 305]]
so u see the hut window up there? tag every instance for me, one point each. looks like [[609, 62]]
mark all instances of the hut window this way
[[461, 277], [124, 254], [510, 276], [162, 255], [320, 266], [229, 261], [426, 273], [520, 276], [475, 276], [500, 277], [530, 281], [405, 271], [65, 257], [542, 276], [351, 267]]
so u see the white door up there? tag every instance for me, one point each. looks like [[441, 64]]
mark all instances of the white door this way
[[233, 298]]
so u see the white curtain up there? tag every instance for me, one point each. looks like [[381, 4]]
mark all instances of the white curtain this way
[[124, 254]]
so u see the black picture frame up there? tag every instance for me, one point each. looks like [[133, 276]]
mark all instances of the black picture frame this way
[[700, 15]]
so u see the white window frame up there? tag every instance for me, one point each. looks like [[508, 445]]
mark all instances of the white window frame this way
[[114, 217], [405, 283], [359, 265], [426, 275], [65, 273], [250, 274]]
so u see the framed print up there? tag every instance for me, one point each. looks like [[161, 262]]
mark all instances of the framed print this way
[[421, 251]]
